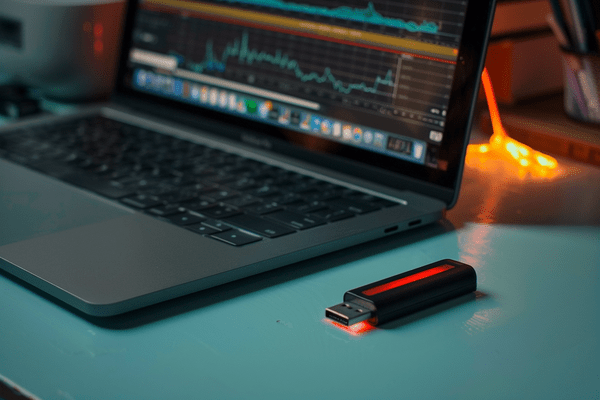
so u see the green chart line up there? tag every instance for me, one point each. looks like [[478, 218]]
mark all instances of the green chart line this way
[[367, 14], [239, 49]]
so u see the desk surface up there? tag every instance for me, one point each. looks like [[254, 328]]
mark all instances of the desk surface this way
[[531, 330]]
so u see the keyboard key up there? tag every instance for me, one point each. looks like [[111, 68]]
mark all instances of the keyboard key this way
[[323, 195], [374, 200], [295, 220], [265, 191], [235, 237], [263, 208], [222, 178], [333, 215], [308, 208], [259, 225], [181, 180], [185, 219], [353, 206], [220, 211], [304, 188], [202, 229], [364, 197], [288, 199], [177, 197], [220, 195], [166, 210], [141, 201], [242, 201], [243, 184], [218, 226], [200, 205]]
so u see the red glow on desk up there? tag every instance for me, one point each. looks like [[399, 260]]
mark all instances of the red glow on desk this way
[[406, 280], [355, 330]]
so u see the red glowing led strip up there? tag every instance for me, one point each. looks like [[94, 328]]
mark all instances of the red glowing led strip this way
[[406, 280]]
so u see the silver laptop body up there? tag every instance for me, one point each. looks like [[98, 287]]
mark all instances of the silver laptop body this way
[[367, 109]]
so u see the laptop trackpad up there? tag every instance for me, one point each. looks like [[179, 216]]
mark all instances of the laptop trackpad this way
[[33, 205]]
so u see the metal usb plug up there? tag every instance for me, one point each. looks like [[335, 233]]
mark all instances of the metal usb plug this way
[[348, 313]]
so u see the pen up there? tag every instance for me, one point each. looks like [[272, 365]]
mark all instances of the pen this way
[[579, 26], [564, 9], [559, 32], [590, 91], [558, 24], [590, 24]]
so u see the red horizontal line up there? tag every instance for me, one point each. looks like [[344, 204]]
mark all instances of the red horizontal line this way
[[240, 22], [406, 280]]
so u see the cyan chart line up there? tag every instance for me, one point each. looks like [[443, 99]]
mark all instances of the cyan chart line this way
[[368, 14], [244, 54]]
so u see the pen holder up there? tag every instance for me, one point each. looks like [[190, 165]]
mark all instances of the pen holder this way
[[582, 85]]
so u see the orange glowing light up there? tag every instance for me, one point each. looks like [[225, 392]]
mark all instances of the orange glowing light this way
[[357, 329], [502, 145], [98, 30], [98, 47], [406, 280]]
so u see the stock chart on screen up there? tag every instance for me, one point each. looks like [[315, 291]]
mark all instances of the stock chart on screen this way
[[332, 61]]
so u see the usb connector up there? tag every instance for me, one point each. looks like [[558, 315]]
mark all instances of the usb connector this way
[[348, 313], [402, 294]]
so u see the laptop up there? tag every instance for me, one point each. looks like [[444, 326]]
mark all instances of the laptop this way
[[242, 136]]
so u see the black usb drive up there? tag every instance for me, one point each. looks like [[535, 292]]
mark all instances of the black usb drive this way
[[402, 294]]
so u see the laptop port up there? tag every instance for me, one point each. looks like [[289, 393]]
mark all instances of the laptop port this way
[[392, 229]]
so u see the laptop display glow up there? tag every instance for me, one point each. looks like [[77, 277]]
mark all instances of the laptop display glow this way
[[376, 76]]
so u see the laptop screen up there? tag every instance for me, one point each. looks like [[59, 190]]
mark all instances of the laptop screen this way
[[368, 80]]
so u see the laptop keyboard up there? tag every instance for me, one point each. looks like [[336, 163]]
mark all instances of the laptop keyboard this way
[[221, 195]]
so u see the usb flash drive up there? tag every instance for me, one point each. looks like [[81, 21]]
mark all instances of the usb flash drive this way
[[402, 294]]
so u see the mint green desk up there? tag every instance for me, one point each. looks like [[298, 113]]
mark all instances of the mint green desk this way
[[532, 330]]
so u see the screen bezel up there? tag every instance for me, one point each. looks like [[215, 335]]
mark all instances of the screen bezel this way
[[443, 184]]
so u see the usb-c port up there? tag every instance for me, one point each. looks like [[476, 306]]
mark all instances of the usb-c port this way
[[415, 222], [392, 229]]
